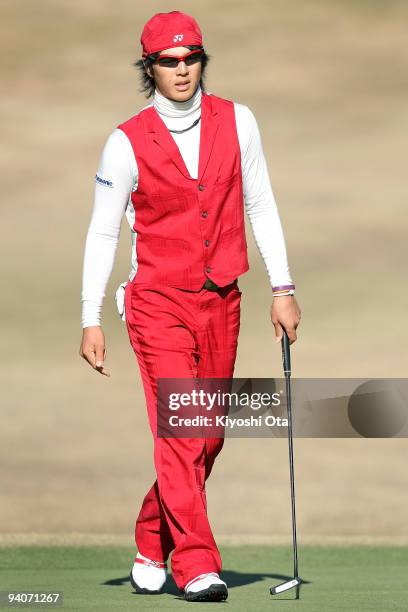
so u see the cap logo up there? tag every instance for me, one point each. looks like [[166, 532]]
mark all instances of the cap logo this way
[[178, 37]]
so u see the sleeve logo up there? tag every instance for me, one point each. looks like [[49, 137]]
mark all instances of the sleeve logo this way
[[102, 181]]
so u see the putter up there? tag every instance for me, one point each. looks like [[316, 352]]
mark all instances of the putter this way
[[295, 581]]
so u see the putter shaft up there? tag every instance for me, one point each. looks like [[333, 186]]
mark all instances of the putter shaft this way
[[296, 581]]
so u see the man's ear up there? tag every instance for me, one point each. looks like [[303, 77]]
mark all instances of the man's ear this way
[[149, 71]]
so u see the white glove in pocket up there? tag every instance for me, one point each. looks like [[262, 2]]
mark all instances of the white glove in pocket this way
[[120, 300]]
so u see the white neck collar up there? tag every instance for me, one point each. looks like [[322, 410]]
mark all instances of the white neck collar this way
[[170, 108]]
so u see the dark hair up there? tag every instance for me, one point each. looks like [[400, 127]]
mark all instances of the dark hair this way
[[147, 82]]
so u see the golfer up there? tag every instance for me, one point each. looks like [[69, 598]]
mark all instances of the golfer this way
[[183, 170]]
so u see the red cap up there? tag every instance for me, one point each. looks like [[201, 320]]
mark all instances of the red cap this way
[[166, 30]]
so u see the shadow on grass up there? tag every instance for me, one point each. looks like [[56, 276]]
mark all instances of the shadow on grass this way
[[233, 579]]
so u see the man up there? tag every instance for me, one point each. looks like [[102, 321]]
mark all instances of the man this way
[[181, 170]]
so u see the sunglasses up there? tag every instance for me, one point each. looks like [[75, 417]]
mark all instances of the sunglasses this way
[[172, 61]]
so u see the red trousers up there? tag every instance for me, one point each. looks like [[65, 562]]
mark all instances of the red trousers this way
[[181, 334]]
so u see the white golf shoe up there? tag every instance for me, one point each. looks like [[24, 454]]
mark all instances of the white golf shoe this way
[[148, 577], [206, 587]]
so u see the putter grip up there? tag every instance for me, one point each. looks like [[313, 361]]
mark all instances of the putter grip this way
[[285, 352]]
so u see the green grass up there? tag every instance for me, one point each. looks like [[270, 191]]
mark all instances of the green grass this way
[[352, 578]]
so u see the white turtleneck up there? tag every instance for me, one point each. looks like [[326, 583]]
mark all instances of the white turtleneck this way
[[117, 177]]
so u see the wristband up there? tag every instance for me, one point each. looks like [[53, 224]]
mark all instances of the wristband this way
[[283, 287], [282, 293]]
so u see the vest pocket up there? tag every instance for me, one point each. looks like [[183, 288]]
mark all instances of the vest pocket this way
[[163, 246], [159, 206], [236, 235], [227, 181], [162, 260], [227, 196], [234, 243]]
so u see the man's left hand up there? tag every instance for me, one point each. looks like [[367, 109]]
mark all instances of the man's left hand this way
[[285, 313]]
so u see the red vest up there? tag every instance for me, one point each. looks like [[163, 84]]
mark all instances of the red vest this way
[[188, 229]]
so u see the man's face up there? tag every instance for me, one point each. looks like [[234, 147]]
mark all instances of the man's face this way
[[177, 83]]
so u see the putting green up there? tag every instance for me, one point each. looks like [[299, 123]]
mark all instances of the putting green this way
[[352, 578]]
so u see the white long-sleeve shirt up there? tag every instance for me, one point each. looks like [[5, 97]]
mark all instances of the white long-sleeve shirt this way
[[117, 177]]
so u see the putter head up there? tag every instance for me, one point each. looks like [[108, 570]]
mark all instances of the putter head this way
[[285, 586]]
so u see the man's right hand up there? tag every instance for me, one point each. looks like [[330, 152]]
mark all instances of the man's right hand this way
[[93, 348]]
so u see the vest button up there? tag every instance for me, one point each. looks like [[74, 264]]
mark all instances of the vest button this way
[[204, 214], [206, 242], [207, 269], [201, 188]]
